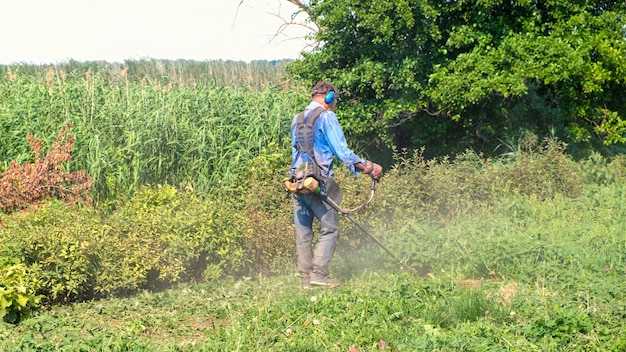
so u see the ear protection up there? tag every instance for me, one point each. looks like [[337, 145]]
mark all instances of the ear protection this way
[[330, 97]]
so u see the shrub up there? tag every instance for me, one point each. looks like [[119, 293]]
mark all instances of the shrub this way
[[264, 206], [54, 243], [544, 171], [17, 293], [159, 237], [163, 236], [23, 185], [597, 169], [441, 190], [424, 211]]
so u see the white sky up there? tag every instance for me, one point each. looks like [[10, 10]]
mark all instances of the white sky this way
[[54, 31]]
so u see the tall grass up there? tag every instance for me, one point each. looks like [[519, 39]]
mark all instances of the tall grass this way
[[132, 132], [257, 75]]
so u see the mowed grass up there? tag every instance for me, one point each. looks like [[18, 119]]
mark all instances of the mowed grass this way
[[374, 310], [269, 314], [548, 278]]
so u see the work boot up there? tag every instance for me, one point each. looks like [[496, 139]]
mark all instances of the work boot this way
[[328, 282]]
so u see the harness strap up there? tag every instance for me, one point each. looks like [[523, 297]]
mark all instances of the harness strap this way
[[305, 135], [305, 142]]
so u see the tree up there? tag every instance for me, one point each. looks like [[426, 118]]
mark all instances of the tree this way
[[458, 74]]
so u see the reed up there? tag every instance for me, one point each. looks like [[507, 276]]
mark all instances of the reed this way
[[256, 75], [132, 131]]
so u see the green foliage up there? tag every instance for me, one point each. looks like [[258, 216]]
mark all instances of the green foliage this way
[[133, 130], [266, 207], [17, 293], [50, 241], [532, 206], [161, 236], [599, 170], [440, 190], [457, 74], [562, 325]]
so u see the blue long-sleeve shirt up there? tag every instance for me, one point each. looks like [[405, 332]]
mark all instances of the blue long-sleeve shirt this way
[[329, 141]]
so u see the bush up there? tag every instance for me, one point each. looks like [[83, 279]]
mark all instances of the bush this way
[[53, 242], [425, 210], [599, 170], [160, 237], [23, 185], [264, 206], [163, 236], [543, 171], [17, 293], [441, 190]]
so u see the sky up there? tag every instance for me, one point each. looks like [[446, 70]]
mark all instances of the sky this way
[[55, 31]]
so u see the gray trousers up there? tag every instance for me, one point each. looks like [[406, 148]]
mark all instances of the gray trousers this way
[[313, 262]]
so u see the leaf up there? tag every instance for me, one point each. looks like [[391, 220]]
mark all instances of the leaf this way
[[22, 300], [4, 303]]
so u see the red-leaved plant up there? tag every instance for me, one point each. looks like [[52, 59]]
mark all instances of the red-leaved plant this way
[[24, 185]]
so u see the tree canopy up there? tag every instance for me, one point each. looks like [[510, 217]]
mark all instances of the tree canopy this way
[[461, 74]]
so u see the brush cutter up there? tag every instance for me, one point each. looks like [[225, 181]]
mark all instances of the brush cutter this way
[[333, 189]]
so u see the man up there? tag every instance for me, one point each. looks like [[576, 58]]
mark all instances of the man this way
[[329, 141]]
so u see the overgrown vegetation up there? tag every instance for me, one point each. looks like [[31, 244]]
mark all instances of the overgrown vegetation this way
[[190, 244], [538, 224], [558, 309], [133, 129], [257, 75]]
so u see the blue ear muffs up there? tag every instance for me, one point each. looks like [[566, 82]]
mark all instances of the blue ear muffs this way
[[330, 97]]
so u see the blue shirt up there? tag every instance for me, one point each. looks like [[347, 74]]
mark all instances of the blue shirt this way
[[329, 142]]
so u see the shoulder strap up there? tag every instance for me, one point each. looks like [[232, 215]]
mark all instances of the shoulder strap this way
[[316, 113], [305, 137]]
